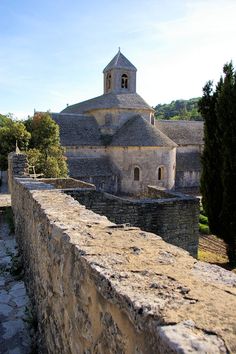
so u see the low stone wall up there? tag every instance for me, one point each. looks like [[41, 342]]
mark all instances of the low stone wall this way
[[174, 218], [67, 183], [158, 192], [102, 288], [99, 288]]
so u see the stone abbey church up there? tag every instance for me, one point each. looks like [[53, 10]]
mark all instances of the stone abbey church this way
[[114, 141]]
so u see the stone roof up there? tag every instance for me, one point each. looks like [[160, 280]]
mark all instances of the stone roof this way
[[138, 132], [120, 62], [182, 132], [77, 129], [189, 161], [89, 167], [108, 101]]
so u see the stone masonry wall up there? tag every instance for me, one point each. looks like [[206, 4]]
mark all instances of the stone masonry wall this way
[[103, 288], [174, 218], [17, 166]]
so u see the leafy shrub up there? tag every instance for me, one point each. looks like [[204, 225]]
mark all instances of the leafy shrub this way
[[203, 219], [204, 229]]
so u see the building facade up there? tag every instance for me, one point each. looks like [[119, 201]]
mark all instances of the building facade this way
[[114, 142]]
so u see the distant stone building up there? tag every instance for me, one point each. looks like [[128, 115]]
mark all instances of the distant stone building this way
[[114, 142], [188, 135]]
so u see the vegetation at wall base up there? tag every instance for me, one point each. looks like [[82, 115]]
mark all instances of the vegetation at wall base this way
[[203, 219], [218, 187], [204, 229], [203, 222], [213, 258], [179, 110]]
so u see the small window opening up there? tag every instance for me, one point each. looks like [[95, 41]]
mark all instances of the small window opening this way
[[124, 81], [152, 119], [108, 81], [160, 173], [102, 186], [136, 174]]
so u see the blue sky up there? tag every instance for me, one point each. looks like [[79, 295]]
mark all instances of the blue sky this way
[[52, 52]]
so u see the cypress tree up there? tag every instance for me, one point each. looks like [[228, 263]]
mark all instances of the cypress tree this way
[[211, 184], [226, 113], [218, 182]]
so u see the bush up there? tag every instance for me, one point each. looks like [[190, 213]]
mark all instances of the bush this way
[[203, 219], [204, 229], [202, 211]]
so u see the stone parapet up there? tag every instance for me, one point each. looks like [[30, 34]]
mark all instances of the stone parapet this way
[[104, 288]]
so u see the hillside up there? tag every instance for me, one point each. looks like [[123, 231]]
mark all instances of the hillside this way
[[178, 110]]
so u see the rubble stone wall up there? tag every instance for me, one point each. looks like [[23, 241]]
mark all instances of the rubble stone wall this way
[[103, 288]]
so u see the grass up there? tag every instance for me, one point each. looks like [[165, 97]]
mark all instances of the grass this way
[[210, 257], [215, 258]]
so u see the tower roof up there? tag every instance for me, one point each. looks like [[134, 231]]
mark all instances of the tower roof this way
[[108, 101], [120, 62]]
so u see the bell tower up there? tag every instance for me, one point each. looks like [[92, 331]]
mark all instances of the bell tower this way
[[120, 75]]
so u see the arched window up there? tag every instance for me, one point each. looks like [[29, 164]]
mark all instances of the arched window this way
[[136, 174], [160, 173], [124, 81], [108, 81]]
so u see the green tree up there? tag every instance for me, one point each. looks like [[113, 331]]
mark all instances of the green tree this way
[[179, 110], [4, 120], [45, 152], [11, 132], [218, 108]]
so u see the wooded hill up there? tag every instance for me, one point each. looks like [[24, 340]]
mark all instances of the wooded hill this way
[[179, 110]]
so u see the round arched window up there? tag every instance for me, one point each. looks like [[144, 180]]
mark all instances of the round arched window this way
[[124, 81]]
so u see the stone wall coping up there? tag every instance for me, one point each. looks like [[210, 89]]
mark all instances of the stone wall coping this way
[[76, 184], [132, 200]]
